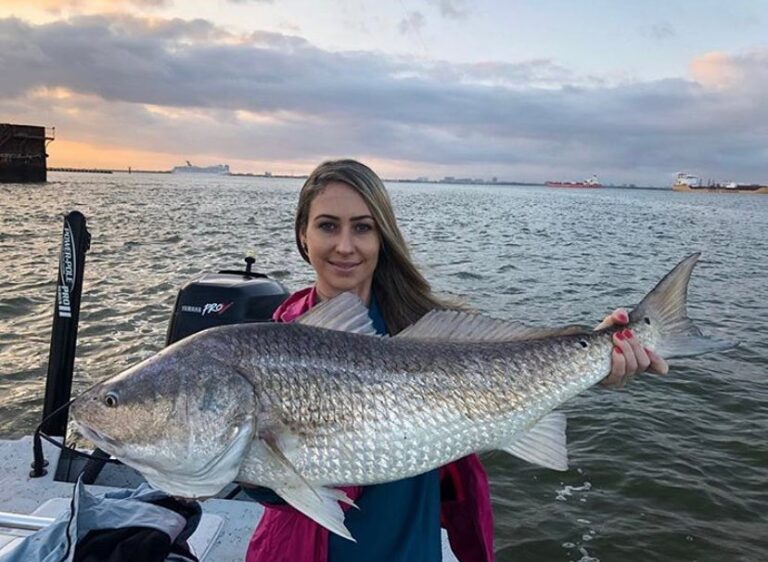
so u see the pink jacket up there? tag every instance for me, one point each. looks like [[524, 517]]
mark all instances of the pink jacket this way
[[286, 535]]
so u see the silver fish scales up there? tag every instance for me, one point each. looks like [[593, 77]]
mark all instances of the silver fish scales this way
[[401, 405], [304, 407]]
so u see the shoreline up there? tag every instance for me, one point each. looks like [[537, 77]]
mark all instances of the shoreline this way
[[305, 176]]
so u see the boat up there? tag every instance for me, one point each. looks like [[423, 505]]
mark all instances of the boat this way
[[30, 501], [218, 169], [691, 183], [591, 182]]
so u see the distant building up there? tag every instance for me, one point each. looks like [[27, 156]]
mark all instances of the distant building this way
[[22, 153]]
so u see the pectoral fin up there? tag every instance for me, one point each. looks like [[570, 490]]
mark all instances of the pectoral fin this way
[[319, 503], [544, 444], [271, 440]]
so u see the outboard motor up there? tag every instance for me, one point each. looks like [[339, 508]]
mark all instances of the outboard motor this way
[[226, 297]]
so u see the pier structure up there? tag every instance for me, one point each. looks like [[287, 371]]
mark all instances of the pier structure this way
[[23, 153]]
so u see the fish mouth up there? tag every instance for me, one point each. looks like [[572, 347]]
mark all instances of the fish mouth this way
[[104, 441]]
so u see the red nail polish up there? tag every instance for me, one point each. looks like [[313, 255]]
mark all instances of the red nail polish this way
[[617, 349], [623, 318], [628, 333], [620, 335]]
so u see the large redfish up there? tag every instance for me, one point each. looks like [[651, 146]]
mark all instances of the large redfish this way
[[323, 402]]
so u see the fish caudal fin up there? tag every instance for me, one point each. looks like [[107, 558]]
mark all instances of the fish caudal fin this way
[[544, 444], [665, 306]]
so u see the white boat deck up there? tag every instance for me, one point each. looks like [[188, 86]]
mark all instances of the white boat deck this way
[[222, 535]]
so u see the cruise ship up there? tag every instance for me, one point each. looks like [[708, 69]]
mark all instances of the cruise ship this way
[[689, 182], [218, 169], [591, 182]]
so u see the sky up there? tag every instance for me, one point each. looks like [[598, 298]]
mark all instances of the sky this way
[[520, 90]]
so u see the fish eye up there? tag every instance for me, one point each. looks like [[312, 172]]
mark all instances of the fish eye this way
[[647, 320], [110, 400], [584, 344]]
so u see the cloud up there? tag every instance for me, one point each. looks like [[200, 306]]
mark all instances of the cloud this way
[[412, 23], [522, 75], [661, 31], [451, 9], [80, 6], [188, 87], [743, 74], [714, 70], [149, 3]]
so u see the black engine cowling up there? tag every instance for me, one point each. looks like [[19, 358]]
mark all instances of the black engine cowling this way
[[226, 297]]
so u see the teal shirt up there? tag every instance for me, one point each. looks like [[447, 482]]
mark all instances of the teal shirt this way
[[397, 521]]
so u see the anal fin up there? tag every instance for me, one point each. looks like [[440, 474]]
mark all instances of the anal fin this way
[[544, 444]]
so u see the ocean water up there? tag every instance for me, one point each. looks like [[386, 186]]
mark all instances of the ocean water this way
[[671, 468]]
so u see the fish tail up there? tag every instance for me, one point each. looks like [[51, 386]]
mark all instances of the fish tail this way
[[665, 306]]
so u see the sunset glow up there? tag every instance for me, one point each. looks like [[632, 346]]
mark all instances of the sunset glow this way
[[421, 88]]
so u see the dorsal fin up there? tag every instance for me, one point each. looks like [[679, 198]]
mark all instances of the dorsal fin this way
[[462, 326], [344, 313]]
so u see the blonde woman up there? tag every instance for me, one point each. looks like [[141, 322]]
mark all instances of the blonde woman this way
[[346, 229]]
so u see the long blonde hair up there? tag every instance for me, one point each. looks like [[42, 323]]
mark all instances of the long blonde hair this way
[[404, 295]]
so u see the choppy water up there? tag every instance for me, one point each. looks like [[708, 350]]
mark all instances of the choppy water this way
[[673, 468]]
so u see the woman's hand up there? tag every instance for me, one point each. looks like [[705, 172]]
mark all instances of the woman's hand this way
[[628, 357]]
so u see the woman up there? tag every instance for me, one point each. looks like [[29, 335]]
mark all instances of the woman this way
[[346, 229]]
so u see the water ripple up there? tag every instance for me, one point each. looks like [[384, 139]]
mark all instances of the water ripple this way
[[673, 468]]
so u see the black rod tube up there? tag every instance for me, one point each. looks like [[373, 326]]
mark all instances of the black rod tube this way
[[76, 241]]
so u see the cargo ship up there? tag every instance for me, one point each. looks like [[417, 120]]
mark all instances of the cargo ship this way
[[591, 182], [23, 153], [691, 183], [218, 169]]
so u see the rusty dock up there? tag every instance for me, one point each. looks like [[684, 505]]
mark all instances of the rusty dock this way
[[23, 153]]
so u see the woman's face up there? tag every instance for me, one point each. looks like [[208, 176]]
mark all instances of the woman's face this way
[[342, 242]]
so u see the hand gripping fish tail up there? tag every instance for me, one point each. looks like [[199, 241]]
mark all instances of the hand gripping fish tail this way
[[324, 402]]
